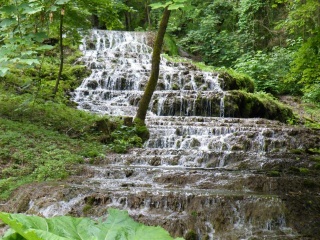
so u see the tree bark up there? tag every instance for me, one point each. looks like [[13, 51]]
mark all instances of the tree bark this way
[[155, 67], [61, 53]]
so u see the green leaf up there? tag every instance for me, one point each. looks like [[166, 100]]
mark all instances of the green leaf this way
[[38, 37], [118, 226], [53, 8], [9, 9], [27, 53], [180, 1], [160, 5], [8, 22], [62, 2], [31, 9], [3, 71], [30, 61], [157, 5], [175, 6], [44, 48], [12, 235], [22, 224]]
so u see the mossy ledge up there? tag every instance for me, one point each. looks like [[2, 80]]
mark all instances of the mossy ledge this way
[[250, 105], [231, 80]]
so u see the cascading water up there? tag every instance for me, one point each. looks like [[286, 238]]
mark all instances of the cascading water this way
[[121, 63], [199, 172]]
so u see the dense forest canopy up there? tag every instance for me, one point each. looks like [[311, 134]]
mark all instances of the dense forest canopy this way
[[276, 42]]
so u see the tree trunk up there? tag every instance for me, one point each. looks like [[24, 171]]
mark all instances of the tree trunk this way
[[61, 53], [155, 66], [148, 19]]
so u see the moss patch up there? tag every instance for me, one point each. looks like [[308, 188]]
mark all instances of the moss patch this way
[[236, 81], [249, 105]]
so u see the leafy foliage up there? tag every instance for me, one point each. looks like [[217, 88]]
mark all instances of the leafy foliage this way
[[211, 35], [268, 69], [117, 226], [305, 70], [123, 138]]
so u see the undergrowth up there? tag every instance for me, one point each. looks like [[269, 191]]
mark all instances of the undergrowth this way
[[44, 138], [29, 153]]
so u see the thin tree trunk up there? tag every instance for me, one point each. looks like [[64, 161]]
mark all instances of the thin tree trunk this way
[[155, 66], [61, 53], [148, 14]]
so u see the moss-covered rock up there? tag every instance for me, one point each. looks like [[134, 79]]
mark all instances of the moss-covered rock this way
[[248, 105], [230, 80]]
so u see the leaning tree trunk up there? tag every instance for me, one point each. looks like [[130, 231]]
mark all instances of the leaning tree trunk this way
[[153, 80]]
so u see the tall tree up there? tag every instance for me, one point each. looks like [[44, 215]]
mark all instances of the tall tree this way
[[61, 52], [155, 64]]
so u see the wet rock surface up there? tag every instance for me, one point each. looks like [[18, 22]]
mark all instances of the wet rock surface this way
[[210, 177], [244, 193]]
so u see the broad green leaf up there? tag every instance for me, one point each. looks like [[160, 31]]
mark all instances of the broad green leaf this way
[[12, 235], [3, 71], [31, 8], [180, 1], [157, 5], [27, 53], [175, 6], [118, 226], [160, 5], [147, 233], [8, 22], [38, 37], [44, 48], [62, 2], [22, 224], [53, 8], [9, 9], [30, 61]]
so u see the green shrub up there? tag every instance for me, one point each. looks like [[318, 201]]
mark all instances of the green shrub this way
[[125, 137], [170, 46], [268, 69]]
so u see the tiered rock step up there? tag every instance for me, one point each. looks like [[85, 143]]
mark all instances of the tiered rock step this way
[[205, 174], [202, 181], [167, 184], [193, 166], [215, 214], [215, 142]]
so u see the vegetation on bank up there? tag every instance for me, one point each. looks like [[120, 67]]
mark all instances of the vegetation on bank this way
[[44, 138]]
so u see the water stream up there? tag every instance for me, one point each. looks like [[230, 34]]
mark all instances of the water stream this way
[[200, 170]]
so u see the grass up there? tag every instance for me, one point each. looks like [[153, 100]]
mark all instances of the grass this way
[[31, 153], [45, 140]]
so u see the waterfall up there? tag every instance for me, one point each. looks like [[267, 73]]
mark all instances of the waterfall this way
[[201, 170], [121, 63]]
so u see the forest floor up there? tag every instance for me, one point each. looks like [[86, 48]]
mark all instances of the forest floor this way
[[308, 113]]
